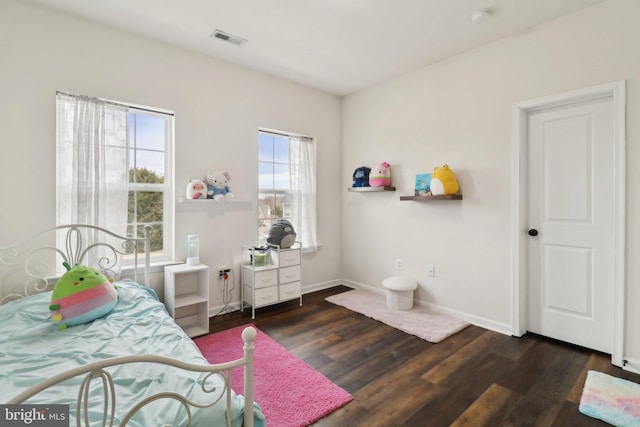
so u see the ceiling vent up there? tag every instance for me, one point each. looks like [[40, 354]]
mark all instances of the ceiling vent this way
[[221, 35]]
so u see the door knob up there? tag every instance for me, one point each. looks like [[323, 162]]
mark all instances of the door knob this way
[[533, 232]]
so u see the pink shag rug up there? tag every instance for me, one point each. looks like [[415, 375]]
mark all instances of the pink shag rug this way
[[290, 392]]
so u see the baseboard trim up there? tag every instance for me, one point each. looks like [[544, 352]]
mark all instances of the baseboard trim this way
[[482, 322], [473, 319], [320, 286], [235, 305], [631, 365], [216, 310]]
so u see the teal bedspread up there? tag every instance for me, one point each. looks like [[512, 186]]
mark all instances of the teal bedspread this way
[[32, 350]]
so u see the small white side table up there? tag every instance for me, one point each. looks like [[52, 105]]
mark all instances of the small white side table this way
[[186, 296]]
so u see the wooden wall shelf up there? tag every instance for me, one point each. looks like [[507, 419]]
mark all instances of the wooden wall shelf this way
[[371, 189], [429, 198]]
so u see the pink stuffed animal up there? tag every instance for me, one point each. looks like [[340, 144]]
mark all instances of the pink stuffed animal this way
[[380, 175]]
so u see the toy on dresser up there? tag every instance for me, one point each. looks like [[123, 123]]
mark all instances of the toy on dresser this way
[[217, 185], [282, 234]]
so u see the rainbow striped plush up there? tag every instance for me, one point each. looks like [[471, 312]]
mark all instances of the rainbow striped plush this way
[[81, 295]]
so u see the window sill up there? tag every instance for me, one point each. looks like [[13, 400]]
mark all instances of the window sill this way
[[155, 267]]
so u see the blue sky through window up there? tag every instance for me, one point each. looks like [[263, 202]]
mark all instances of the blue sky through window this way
[[273, 155], [147, 139]]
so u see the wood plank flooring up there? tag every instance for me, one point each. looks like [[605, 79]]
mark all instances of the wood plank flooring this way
[[473, 378]]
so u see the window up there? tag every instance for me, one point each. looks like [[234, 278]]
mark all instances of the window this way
[[287, 185], [113, 169], [149, 191]]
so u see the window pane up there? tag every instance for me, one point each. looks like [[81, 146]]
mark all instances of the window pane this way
[[116, 170], [286, 206], [263, 229], [149, 132], [156, 237], [153, 163], [265, 147], [266, 205], [281, 176], [265, 175], [281, 149], [145, 207], [115, 127], [145, 176]]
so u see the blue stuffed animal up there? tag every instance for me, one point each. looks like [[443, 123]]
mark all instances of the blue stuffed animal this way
[[361, 177]]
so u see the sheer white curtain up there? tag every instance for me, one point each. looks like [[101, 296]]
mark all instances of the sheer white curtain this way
[[302, 174], [91, 164]]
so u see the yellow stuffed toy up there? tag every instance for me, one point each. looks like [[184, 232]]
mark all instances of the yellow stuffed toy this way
[[443, 181]]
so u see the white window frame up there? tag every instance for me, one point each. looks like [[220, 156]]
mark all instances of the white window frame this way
[[301, 202], [167, 187]]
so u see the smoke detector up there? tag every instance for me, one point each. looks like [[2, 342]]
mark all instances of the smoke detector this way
[[480, 15], [221, 35]]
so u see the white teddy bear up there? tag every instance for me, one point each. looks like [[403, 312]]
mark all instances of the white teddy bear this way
[[217, 186]]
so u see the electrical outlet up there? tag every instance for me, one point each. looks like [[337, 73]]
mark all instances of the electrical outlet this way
[[222, 270], [431, 270], [399, 264]]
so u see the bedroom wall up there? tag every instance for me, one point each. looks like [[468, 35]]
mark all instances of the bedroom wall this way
[[218, 110], [458, 112]]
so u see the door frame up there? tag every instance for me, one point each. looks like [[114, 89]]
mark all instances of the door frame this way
[[520, 111]]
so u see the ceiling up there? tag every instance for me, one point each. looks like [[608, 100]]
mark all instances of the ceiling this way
[[338, 46]]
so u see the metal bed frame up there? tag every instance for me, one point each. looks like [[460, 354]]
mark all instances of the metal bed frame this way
[[38, 255]]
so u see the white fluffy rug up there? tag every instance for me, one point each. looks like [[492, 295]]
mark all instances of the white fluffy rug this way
[[419, 321]]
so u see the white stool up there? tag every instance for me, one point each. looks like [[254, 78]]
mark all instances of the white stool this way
[[399, 292]]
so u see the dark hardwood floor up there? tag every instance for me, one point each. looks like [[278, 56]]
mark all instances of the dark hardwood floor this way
[[473, 378]]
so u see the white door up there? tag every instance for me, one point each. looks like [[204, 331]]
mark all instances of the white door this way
[[570, 262]]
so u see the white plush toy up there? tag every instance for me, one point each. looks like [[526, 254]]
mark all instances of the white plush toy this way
[[196, 189], [217, 185]]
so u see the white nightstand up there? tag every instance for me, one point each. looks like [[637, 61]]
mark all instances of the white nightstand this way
[[276, 281], [186, 296]]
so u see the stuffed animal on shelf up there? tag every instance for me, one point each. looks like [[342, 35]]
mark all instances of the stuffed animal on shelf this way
[[217, 186], [361, 177], [282, 234], [443, 181], [80, 296], [196, 189], [380, 175]]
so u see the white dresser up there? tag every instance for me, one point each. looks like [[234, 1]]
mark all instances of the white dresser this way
[[270, 280]]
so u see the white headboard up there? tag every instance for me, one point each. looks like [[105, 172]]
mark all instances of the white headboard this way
[[34, 264]]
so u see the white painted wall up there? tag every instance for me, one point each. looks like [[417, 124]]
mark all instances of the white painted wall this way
[[456, 112], [459, 112], [218, 108]]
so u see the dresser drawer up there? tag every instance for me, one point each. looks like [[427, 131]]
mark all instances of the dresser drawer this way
[[286, 258], [266, 296], [290, 274], [261, 278], [290, 291]]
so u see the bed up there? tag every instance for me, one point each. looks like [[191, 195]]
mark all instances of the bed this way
[[134, 366]]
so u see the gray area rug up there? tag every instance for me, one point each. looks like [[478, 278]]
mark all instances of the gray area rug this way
[[418, 321]]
